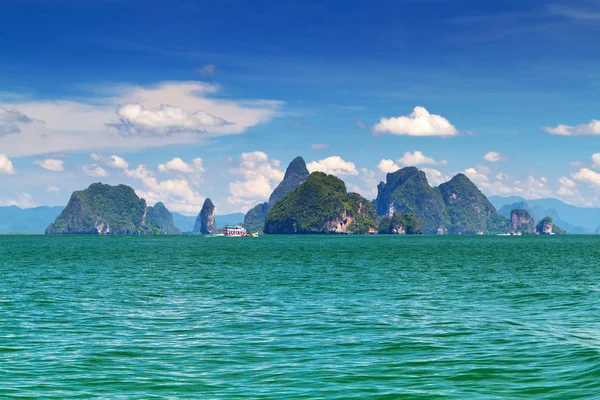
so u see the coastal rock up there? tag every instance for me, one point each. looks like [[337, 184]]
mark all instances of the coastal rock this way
[[407, 191], [547, 227], [469, 210], [205, 222], [102, 209], [295, 174], [521, 221], [322, 205], [401, 224], [160, 221]]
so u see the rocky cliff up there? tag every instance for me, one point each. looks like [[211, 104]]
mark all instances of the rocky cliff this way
[[407, 191], [205, 222], [401, 224], [295, 174], [469, 210], [522, 221], [547, 227], [160, 221], [322, 205], [102, 209]]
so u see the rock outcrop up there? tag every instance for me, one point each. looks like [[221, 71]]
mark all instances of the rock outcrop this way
[[205, 222], [521, 221], [469, 210], [322, 205], [295, 174], [407, 191], [102, 209], [160, 221], [401, 224], [547, 227]]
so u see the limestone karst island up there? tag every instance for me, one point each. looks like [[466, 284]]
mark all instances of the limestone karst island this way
[[317, 203]]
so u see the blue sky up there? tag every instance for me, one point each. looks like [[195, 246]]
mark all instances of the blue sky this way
[[185, 100]]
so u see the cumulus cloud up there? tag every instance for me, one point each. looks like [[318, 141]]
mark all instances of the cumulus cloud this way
[[23, 200], [387, 166], [588, 176], [6, 166], [149, 117], [493, 157], [134, 119], [94, 170], [435, 177], [592, 128], [113, 161], [176, 164], [51, 164], [530, 188], [333, 165], [10, 120], [176, 194], [417, 158], [260, 177], [319, 146], [419, 123], [566, 186]]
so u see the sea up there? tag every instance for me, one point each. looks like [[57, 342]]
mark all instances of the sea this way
[[300, 317]]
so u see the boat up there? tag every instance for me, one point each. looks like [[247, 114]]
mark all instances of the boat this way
[[234, 231]]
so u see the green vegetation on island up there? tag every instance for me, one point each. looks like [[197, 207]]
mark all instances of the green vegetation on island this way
[[321, 205], [295, 174], [104, 209], [160, 221], [401, 224], [522, 222], [407, 191], [469, 210], [547, 227]]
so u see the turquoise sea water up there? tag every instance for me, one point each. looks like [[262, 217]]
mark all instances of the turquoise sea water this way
[[287, 317]]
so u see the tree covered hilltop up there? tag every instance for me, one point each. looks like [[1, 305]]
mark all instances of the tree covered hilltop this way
[[317, 203]]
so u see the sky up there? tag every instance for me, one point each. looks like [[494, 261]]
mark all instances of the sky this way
[[185, 100]]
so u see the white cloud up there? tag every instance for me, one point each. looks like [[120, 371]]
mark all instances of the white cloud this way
[[260, 177], [176, 194], [493, 157], [388, 166], [176, 164], [592, 128], [23, 200], [419, 123], [416, 158], [333, 165], [10, 119], [588, 176], [94, 170], [190, 109], [208, 69], [435, 177], [163, 120], [51, 189], [51, 164], [113, 161], [319, 146], [6, 166]]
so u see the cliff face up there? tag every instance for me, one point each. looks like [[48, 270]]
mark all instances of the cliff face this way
[[160, 221], [469, 210], [295, 174], [407, 191], [401, 224], [100, 210], [521, 221], [205, 222], [546, 227], [255, 218], [322, 205]]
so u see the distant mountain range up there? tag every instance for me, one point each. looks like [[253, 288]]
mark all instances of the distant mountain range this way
[[35, 220], [571, 218]]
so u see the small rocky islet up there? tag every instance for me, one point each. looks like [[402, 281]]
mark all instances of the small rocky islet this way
[[317, 203]]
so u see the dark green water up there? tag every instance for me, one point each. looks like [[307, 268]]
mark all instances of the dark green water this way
[[300, 317]]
